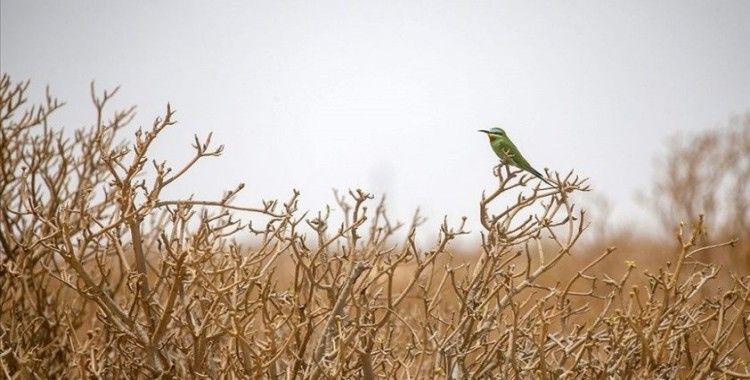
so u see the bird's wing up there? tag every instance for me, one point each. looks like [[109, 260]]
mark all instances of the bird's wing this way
[[520, 161]]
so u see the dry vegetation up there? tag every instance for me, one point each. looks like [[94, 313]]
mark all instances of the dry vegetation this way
[[101, 276]]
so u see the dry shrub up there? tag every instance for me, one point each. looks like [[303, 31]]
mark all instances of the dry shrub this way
[[103, 277], [708, 173]]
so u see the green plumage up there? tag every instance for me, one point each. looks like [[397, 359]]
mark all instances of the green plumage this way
[[508, 152]]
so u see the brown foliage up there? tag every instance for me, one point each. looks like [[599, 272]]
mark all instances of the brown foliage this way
[[103, 277]]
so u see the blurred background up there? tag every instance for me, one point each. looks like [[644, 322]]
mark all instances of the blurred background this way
[[388, 96]]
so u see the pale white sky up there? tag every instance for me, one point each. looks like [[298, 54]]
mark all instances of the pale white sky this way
[[388, 95]]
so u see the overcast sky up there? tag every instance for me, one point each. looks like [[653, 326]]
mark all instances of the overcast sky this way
[[388, 95]]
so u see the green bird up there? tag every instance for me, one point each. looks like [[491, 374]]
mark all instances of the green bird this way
[[508, 153]]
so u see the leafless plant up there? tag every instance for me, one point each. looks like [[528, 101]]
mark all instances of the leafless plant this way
[[707, 173], [102, 276]]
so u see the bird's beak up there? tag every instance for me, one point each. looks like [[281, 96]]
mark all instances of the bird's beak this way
[[483, 130]]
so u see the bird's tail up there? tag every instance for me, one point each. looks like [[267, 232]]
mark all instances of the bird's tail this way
[[539, 175]]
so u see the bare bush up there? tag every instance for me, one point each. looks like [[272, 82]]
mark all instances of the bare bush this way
[[103, 277], [707, 173]]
